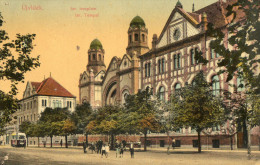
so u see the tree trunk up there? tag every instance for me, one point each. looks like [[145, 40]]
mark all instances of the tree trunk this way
[[27, 140], [168, 149], [248, 142], [112, 141], [259, 141], [38, 141], [66, 141], [87, 139], [145, 138], [51, 141], [199, 145], [231, 142]]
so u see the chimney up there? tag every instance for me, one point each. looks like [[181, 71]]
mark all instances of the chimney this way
[[193, 8]]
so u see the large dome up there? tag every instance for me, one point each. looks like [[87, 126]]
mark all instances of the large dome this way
[[96, 44], [137, 21]]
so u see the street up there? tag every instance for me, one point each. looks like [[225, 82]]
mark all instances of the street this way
[[61, 156]]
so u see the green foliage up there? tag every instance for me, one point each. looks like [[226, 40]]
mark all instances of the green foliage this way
[[27, 128], [53, 120], [8, 105], [142, 113], [39, 129], [244, 36], [106, 120], [81, 117], [52, 115], [15, 61], [195, 106]]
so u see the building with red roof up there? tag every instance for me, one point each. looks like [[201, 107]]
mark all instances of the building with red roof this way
[[39, 95]]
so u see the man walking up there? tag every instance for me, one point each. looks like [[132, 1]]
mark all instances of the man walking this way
[[84, 147], [132, 150], [61, 143]]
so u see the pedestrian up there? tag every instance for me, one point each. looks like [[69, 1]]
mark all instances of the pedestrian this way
[[24, 144], [121, 151], [61, 143], [173, 143], [117, 149], [132, 150], [107, 150], [103, 151], [84, 147]]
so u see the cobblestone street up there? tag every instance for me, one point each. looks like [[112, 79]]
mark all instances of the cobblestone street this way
[[35, 156]]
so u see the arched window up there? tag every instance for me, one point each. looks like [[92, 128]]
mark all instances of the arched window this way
[[163, 66], [161, 93], [217, 55], [175, 61], [130, 38], [149, 69], [193, 83], [212, 52], [177, 87], [159, 66], [94, 56], [179, 60], [196, 52], [145, 70], [240, 84], [99, 57], [192, 57], [215, 85], [136, 37], [143, 37], [89, 56]]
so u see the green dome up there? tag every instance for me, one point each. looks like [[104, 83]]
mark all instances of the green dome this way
[[137, 21], [96, 44], [178, 4]]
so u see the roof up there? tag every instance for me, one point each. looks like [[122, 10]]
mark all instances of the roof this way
[[137, 22], [96, 44], [50, 87], [35, 85], [215, 14]]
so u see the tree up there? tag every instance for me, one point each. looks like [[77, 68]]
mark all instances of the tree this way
[[195, 106], [15, 61], [81, 117], [237, 43], [68, 128], [39, 130], [246, 111], [26, 127], [242, 29], [107, 121], [141, 114], [53, 120]]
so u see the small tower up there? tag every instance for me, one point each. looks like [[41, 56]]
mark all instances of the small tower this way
[[137, 37], [96, 57]]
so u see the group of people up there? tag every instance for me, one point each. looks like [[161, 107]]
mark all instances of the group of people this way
[[100, 148]]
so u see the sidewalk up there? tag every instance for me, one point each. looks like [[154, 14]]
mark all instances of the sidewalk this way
[[159, 150], [196, 150]]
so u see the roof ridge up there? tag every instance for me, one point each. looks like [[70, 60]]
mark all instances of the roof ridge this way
[[41, 85]]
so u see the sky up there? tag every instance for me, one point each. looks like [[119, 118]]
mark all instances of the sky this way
[[62, 25]]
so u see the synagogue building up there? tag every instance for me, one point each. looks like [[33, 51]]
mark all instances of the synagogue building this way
[[165, 67]]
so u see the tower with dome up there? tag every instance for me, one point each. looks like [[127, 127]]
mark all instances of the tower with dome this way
[[99, 85]]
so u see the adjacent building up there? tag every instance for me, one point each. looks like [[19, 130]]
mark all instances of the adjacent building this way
[[36, 97], [166, 67]]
